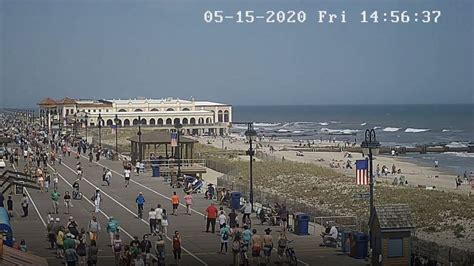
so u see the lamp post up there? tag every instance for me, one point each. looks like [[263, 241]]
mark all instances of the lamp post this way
[[75, 128], [116, 120], [139, 133], [99, 121], [370, 146], [251, 136], [86, 117], [178, 148]]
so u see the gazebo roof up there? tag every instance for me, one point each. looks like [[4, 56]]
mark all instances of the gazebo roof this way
[[160, 137], [47, 101]]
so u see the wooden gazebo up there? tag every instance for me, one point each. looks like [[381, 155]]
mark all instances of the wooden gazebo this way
[[150, 141]]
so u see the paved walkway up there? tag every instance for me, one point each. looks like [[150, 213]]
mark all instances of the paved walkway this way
[[199, 248]]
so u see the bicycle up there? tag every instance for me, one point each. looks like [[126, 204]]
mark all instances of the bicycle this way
[[290, 254]]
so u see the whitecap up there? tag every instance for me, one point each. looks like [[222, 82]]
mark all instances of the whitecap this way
[[297, 132], [375, 128], [334, 122], [281, 130], [445, 130], [323, 123], [415, 130], [303, 123], [363, 124], [391, 129], [266, 124], [461, 154]]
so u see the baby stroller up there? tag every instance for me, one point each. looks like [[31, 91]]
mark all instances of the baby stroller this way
[[192, 184]]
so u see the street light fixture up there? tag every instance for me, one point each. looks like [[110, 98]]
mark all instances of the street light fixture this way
[[178, 148], [99, 121], [139, 133], [116, 120], [370, 146], [86, 117], [251, 136]]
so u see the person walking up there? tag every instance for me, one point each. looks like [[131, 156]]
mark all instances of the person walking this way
[[126, 174], [222, 218], [97, 198], [108, 176], [159, 213], [10, 206], [24, 205], [67, 201], [224, 234], [257, 243], [92, 251], [152, 221], [140, 200], [188, 199], [164, 223], [137, 168], [233, 219], [60, 242], [94, 228], [211, 215], [236, 246], [112, 228], [177, 247], [81, 248], [71, 257], [247, 210], [145, 246], [55, 198], [117, 247], [55, 180], [267, 245], [175, 203]]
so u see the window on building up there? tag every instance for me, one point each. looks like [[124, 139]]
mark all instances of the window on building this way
[[106, 110], [94, 110], [395, 247]]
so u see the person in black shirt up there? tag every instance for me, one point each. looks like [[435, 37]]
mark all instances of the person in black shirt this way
[[10, 206]]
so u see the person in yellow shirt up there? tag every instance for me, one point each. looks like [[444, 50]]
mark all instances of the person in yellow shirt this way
[[175, 202], [60, 243]]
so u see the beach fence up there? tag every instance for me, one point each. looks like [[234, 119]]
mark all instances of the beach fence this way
[[440, 255]]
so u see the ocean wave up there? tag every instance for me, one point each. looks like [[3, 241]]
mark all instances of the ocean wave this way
[[455, 144], [415, 130], [297, 132], [391, 129], [445, 130], [334, 122], [281, 130], [323, 123], [303, 123], [375, 128], [266, 124], [363, 124], [461, 154], [339, 131]]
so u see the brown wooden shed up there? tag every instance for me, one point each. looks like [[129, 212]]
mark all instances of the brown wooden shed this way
[[392, 227]]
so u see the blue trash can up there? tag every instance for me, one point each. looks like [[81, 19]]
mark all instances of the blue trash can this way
[[155, 170], [361, 241], [301, 224], [345, 241], [235, 200]]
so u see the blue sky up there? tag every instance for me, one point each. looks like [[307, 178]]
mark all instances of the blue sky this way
[[122, 49]]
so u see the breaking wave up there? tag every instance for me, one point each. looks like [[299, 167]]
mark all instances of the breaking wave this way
[[391, 129], [415, 130], [266, 124], [461, 154]]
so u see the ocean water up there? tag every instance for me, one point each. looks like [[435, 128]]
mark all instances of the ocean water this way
[[405, 125]]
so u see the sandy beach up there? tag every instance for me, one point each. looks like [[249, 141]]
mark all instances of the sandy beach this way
[[415, 174]]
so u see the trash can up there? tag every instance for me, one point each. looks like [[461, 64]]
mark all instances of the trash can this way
[[346, 241], [235, 200], [301, 223], [361, 245], [155, 170]]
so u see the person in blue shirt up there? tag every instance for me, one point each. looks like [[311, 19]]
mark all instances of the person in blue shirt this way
[[140, 200], [246, 236]]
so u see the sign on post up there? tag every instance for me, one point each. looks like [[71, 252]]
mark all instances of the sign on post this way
[[360, 196]]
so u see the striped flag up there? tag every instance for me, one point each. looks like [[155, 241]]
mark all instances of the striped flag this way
[[174, 139], [362, 172]]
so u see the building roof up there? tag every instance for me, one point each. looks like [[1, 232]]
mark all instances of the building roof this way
[[47, 101], [160, 137], [394, 216], [67, 100]]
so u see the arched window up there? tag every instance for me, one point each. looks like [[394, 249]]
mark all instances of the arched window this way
[[138, 110], [110, 122], [135, 122], [152, 121], [226, 116], [201, 120], [219, 116], [170, 109], [154, 110], [168, 121], [122, 110], [186, 109], [208, 120], [176, 121], [192, 121], [119, 122], [143, 121], [160, 121], [185, 121], [126, 122]]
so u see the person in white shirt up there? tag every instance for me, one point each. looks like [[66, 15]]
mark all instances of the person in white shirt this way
[[152, 220], [222, 219], [332, 236], [126, 174], [137, 168], [159, 216]]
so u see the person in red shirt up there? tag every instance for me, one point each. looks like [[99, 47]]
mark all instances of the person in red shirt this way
[[175, 202], [211, 216]]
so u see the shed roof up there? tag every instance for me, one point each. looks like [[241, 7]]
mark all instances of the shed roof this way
[[160, 137], [394, 216]]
